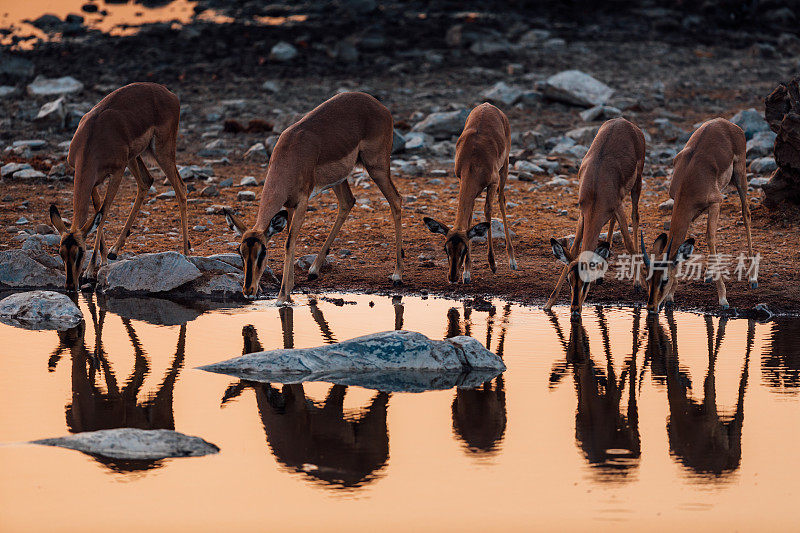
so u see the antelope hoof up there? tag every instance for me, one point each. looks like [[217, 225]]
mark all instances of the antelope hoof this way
[[723, 304], [513, 264], [493, 267], [753, 284], [312, 276], [112, 255], [466, 279], [708, 280], [397, 283]]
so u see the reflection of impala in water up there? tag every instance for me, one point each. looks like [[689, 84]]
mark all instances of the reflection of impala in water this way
[[318, 438], [93, 409], [609, 439], [699, 436], [479, 414]]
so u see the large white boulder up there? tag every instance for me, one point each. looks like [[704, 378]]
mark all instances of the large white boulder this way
[[131, 444], [40, 310], [31, 269], [577, 88], [388, 361], [148, 273]]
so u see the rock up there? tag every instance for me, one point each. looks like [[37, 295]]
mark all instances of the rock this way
[[16, 67], [763, 165], [221, 263], [41, 242], [10, 168], [666, 206], [283, 51], [577, 88], [21, 221], [558, 181], [485, 47], [532, 37], [443, 125], [417, 140], [222, 286], [577, 151], [246, 196], [148, 273], [215, 148], [498, 232], [270, 142], [54, 112], [584, 135], [33, 144], [42, 86], [134, 444], [210, 191], [345, 51], [616, 238], [28, 174], [532, 140], [40, 310], [758, 183], [503, 94], [192, 172], [398, 142], [562, 145], [31, 269], [166, 195], [227, 182], [248, 181], [7, 90], [257, 152], [389, 361], [527, 166], [271, 86], [751, 122], [45, 229], [59, 171], [600, 111], [760, 145]]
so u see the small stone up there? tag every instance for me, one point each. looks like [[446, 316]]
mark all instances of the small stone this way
[[7, 90], [210, 191], [761, 144], [246, 196], [248, 181], [10, 168], [283, 51], [502, 93], [227, 182], [42, 86], [21, 221], [666, 207], [200, 228], [558, 181], [33, 144], [763, 164], [758, 183], [577, 88], [527, 166], [751, 121], [166, 194], [443, 125], [28, 173], [257, 152]]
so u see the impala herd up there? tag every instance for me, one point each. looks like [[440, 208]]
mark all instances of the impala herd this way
[[320, 150]]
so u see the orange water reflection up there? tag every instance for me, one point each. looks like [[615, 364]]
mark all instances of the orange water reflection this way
[[652, 429]]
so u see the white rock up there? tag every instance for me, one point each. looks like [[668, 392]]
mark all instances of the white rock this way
[[257, 152], [758, 183], [31, 268], [443, 125], [9, 168], [27, 174], [577, 88], [52, 111], [248, 181], [40, 310], [389, 361], [148, 273], [42, 86], [133, 443], [763, 164], [502, 93], [527, 166], [246, 196], [283, 51], [7, 90], [666, 206]]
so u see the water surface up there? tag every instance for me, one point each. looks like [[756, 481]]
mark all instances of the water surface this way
[[607, 424]]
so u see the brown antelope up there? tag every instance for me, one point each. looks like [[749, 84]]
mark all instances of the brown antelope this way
[[481, 163], [138, 119], [313, 155], [611, 169], [713, 158]]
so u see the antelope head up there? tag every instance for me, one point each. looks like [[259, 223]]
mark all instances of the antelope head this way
[[456, 245], [253, 248], [661, 267], [72, 247], [587, 268]]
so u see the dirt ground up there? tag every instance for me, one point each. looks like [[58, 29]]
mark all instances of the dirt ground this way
[[694, 81]]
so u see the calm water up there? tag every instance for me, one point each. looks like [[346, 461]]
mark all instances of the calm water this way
[[609, 424]]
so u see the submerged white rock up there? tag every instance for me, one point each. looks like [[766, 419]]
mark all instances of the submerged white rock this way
[[40, 310], [132, 443], [388, 361]]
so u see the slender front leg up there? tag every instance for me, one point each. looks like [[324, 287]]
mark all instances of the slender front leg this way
[[487, 211], [111, 192], [381, 175], [165, 157], [287, 284], [635, 194], [711, 236], [630, 244], [97, 202], [575, 247], [144, 180], [501, 200], [346, 201]]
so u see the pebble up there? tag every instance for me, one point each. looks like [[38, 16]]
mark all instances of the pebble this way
[[227, 182], [21, 221], [246, 196], [248, 181]]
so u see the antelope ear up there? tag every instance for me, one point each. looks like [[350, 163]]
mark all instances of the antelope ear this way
[[92, 223], [559, 252], [56, 220], [684, 251], [435, 227], [659, 244], [478, 230], [234, 222], [277, 223], [603, 250]]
